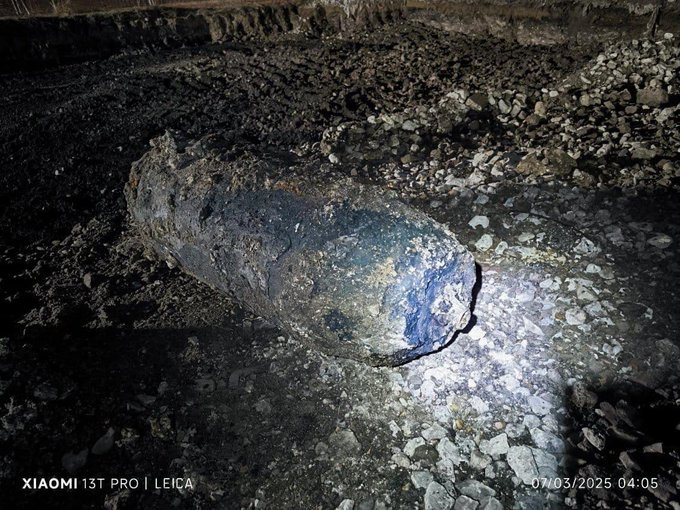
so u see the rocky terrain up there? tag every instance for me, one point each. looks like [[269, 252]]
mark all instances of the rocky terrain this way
[[556, 166]]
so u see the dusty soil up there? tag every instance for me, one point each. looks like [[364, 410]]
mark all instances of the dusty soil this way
[[114, 365]]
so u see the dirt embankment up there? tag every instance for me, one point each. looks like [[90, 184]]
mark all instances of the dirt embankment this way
[[36, 42], [33, 42], [548, 22]]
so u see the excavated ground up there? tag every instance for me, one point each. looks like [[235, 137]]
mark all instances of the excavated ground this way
[[548, 162]]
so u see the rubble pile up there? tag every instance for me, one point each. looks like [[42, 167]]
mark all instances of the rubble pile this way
[[613, 123]]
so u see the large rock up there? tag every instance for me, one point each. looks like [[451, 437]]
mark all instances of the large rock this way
[[652, 97], [344, 266], [549, 162]]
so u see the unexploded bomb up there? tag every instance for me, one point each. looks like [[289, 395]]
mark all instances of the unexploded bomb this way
[[345, 266]]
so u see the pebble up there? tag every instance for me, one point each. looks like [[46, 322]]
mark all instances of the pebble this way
[[437, 498], [72, 462], [660, 241], [496, 446], [412, 444], [465, 503], [104, 443], [547, 441], [521, 460], [478, 460], [475, 489], [435, 431], [491, 504], [421, 479], [594, 438], [479, 221], [583, 398], [484, 243], [539, 406], [575, 317], [449, 451], [344, 442], [346, 504], [401, 460]]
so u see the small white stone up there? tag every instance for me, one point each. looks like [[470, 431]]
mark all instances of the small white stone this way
[[409, 125], [347, 504], [593, 269], [500, 248], [496, 446], [434, 432], [412, 444], [575, 316], [479, 221], [477, 333], [421, 479], [539, 406], [484, 243], [661, 241], [448, 451], [521, 460], [436, 497]]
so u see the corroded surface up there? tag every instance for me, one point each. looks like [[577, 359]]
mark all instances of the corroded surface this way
[[346, 266]]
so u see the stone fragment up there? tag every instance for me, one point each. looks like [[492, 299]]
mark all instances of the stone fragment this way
[[521, 460], [547, 440], [479, 221], [491, 504], [412, 444], [421, 479], [426, 454], [478, 460], [434, 432], [484, 243], [575, 316], [437, 498], [449, 451], [104, 443], [72, 462], [475, 489], [654, 97], [344, 441], [594, 438], [583, 398], [660, 241], [465, 503], [539, 406], [477, 101], [540, 108], [496, 446]]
